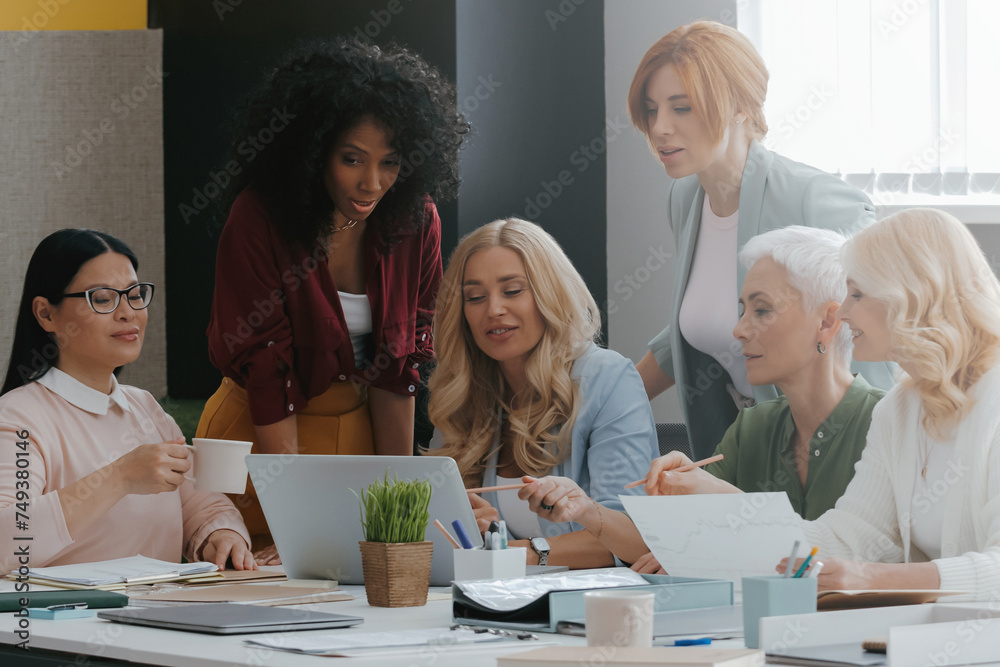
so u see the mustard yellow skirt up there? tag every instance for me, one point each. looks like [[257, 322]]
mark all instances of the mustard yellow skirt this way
[[335, 422]]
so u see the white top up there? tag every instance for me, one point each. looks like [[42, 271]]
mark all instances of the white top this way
[[358, 318], [522, 523], [930, 496], [709, 310], [872, 520]]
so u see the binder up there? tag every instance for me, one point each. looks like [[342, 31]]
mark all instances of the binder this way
[[94, 599], [560, 606]]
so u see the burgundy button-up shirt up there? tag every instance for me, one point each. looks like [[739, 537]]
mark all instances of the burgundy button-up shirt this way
[[277, 327]]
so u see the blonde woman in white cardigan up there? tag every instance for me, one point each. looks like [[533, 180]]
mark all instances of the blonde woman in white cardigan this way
[[923, 509]]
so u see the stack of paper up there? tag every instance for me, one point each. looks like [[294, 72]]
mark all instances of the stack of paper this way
[[119, 573]]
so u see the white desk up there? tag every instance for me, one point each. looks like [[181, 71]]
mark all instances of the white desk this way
[[106, 641], [153, 646]]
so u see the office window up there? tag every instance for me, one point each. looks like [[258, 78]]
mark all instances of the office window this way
[[898, 96]]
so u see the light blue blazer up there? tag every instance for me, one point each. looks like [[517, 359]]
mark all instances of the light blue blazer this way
[[775, 192], [614, 436]]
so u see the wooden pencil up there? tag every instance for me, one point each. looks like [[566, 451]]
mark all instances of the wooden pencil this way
[[688, 467]]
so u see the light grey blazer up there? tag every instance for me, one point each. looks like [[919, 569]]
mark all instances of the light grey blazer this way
[[775, 192]]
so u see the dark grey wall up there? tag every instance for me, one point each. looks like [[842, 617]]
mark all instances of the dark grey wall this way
[[530, 76], [531, 80], [213, 55]]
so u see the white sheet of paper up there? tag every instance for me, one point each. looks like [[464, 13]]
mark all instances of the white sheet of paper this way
[[718, 536]]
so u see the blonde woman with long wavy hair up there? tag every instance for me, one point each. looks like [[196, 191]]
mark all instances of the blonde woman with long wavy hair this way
[[923, 509], [521, 390]]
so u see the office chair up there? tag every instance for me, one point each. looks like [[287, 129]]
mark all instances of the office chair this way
[[673, 437]]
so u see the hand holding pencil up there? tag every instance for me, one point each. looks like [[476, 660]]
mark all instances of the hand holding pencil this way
[[676, 474]]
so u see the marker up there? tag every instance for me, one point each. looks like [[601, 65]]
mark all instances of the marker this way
[[497, 542], [815, 569], [488, 541], [701, 641], [791, 560], [463, 537], [805, 563], [503, 534]]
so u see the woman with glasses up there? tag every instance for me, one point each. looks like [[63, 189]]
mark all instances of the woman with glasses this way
[[94, 469], [330, 258]]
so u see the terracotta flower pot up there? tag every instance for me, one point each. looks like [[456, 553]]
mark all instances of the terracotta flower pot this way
[[396, 574]]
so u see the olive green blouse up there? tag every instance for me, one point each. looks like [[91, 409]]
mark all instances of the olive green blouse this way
[[759, 455]]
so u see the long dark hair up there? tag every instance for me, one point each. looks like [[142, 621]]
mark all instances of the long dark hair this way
[[53, 265], [317, 93]]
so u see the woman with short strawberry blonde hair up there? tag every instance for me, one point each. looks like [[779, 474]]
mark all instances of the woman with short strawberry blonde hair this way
[[698, 96]]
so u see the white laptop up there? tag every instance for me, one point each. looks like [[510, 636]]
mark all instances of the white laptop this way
[[315, 517]]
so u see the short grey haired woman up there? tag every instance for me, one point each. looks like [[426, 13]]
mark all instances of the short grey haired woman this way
[[804, 442]]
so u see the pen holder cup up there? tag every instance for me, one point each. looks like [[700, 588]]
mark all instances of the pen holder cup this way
[[486, 564], [774, 596]]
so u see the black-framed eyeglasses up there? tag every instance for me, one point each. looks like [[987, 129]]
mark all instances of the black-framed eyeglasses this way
[[106, 299]]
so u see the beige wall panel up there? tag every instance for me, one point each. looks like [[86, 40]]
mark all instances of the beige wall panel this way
[[81, 121]]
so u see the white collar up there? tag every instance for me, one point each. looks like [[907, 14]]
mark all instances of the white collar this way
[[82, 396]]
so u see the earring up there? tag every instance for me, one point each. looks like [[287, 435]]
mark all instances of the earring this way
[[820, 347]]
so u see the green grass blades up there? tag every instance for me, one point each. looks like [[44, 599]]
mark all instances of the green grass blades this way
[[395, 511]]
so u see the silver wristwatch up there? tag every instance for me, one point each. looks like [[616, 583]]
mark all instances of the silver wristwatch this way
[[541, 547]]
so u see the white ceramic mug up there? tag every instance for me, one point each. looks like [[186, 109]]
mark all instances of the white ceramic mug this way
[[219, 465], [617, 617]]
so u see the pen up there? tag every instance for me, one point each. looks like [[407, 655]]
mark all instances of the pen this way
[[689, 467], [503, 534], [791, 559], [815, 569], [70, 605], [702, 641], [463, 537], [440, 526], [805, 563]]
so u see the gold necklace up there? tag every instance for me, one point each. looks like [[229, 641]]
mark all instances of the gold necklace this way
[[927, 456], [344, 228]]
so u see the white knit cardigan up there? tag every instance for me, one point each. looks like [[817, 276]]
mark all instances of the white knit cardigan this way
[[871, 521]]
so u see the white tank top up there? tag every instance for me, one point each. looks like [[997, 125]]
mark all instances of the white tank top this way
[[358, 318], [709, 308], [522, 523]]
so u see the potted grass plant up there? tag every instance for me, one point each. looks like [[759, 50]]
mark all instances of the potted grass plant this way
[[395, 558]]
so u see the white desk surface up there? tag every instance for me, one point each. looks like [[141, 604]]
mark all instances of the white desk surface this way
[[96, 637], [105, 639]]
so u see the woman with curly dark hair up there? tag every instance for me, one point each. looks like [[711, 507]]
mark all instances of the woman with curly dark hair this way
[[330, 259]]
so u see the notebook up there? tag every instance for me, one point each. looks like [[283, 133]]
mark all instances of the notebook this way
[[229, 619], [312, 506]]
